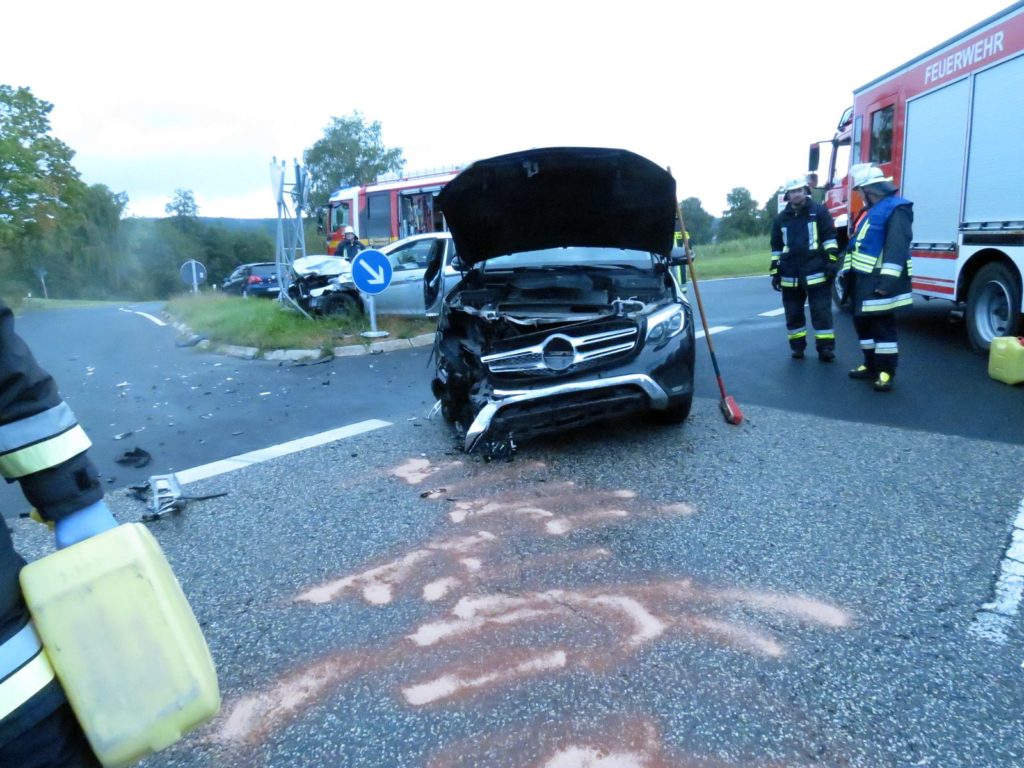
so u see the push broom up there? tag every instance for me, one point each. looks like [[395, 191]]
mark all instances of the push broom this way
[[730, 409]]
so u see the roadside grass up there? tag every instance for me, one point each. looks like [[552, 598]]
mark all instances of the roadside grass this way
[[733, 258], [268, 325]]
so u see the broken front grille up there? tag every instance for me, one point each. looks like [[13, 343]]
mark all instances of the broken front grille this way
[[564, 351]]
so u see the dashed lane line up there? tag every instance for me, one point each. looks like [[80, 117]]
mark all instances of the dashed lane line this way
[[714, 329], [773, 312], [275, 451]]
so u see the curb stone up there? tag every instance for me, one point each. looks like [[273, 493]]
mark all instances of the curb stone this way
[[296, 355]]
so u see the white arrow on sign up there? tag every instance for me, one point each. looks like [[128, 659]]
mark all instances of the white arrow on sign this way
[[376, 277]]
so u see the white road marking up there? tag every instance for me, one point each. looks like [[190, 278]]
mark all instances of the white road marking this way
[[146, 315], [994, 619], [714, 329], [282, 449], [773, 313]]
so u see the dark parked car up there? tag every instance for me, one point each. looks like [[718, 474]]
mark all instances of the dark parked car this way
[[253, 280], [567, 312]]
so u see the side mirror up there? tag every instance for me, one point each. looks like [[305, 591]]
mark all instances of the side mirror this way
[[813, 158]]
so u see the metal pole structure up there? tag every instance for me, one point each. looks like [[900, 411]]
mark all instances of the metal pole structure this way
[[284, 254], [195, 278]]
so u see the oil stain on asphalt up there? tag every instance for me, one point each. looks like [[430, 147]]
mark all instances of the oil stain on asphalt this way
[[506, 612]]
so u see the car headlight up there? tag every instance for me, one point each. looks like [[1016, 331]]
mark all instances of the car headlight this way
[[665, 323]]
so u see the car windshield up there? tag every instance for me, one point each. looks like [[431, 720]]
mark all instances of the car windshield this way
[[572, 256]]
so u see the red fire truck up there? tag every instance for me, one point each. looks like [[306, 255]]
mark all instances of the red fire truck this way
[[388, 210], [947, 127]]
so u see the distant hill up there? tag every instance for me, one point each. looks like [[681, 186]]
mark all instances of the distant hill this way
[[269, 226]]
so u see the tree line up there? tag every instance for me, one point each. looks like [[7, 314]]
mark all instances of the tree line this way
[[63, 238]]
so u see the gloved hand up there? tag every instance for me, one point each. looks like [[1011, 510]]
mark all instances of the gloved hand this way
[[831, 264], [777, 281], [86, 522]]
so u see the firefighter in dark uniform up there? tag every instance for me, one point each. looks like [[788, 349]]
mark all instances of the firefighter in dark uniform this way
[[681, 238], [350, 246], [805, 259], [876, 272], [44, 449]]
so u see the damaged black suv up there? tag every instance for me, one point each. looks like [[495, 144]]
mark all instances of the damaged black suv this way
[[567, 312]]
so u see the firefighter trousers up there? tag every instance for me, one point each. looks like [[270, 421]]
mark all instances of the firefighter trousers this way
[[877, 334], [56, 741], [819, 297]]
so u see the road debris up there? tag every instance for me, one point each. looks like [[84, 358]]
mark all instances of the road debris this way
[[162, 494], [136, 457]]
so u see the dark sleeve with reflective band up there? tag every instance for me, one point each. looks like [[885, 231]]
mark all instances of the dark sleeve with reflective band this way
[[776, 241], [898, 234], [826, 229], [41, 444]]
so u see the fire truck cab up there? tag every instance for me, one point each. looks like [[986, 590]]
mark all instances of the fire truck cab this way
[[386, 211]]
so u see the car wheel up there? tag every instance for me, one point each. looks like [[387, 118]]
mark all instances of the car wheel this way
[[676, 413], [993, 305], [455, 407]]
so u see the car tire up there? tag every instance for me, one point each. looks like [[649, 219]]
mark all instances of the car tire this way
[[676, 413], [454, 406], [993, 305]]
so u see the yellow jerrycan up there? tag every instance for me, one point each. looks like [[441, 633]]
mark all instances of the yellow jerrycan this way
[[1006, 359], [123, 641]]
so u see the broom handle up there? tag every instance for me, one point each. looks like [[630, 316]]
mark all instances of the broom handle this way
[[696, 292]]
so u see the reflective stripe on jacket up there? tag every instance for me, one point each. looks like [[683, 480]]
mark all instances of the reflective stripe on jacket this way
[[880, 257], [24, 669], [40, 442]]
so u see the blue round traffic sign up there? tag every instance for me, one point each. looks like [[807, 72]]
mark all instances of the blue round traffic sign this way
[[193, 272], [371, 271]]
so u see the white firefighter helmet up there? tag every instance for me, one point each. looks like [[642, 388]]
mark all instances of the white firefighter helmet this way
[[865, 174], [797, 182], [349, 230]]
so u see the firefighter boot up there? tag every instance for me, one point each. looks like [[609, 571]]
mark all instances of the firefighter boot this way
[[884, 381], [826, 355], [867, 369]]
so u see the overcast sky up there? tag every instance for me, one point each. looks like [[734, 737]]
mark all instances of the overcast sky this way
[[155, 97]]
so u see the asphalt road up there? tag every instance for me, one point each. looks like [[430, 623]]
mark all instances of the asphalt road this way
[[808, 588]]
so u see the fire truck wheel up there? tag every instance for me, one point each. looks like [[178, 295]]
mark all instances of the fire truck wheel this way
[[993, 305], [846, 307]]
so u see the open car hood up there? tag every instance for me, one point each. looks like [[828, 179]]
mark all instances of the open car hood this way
[[560, 196]]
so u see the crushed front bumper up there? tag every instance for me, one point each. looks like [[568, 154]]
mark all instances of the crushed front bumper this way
[[551, 408]]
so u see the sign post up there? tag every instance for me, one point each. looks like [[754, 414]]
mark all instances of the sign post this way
[[193, 273], [371, 272]]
